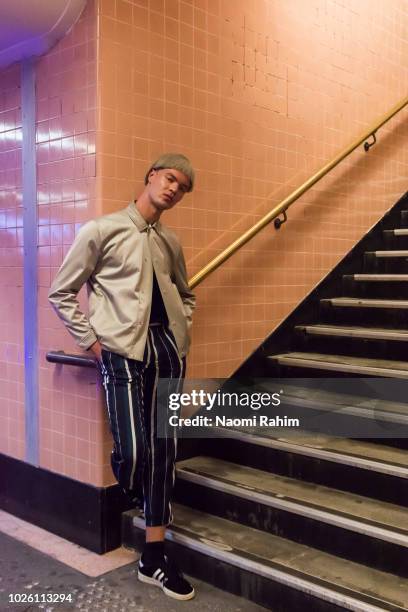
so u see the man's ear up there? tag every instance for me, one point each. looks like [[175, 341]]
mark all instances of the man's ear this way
[[152, 172]]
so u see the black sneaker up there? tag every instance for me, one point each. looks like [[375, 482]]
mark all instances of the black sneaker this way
[[167, 576]]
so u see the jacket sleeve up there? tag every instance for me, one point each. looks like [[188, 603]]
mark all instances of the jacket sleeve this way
[[187, 296], [76, 268]]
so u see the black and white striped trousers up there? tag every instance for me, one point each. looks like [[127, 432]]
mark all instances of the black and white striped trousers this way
[[142, 462]]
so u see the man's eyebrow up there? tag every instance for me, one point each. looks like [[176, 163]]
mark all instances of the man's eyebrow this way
[[184, 185]]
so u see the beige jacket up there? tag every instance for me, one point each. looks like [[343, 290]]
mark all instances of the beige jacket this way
[[115, 255]]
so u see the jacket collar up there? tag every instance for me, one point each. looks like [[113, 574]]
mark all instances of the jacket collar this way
[[139, 220]]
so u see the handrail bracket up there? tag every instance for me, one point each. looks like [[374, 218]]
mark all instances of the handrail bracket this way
[[368, 145], [278, 222]]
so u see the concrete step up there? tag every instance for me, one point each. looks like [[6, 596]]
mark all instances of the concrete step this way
[[357, 466], [379, 285], [355, 527], [343, 363], [395, 238], [331, 399], [390, 253], [351, 302], [354, 332], [387, 342], [320, 366], [279, 574], [365, 410], [397, 232], [387, 261], [378, 278], [370, 312]]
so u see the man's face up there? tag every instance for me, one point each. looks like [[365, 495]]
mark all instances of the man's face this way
[[166, 187]]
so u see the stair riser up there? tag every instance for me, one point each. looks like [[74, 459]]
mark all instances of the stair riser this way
[[269, 593], [285, 370], [385, 265], [289, 371], [352, 478], [394, 242], [376, 289], [353, 346], [372, 317], [404, 218], [336, 540]]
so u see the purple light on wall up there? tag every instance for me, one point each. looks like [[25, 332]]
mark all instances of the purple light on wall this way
[[30, 262], [31, 28]]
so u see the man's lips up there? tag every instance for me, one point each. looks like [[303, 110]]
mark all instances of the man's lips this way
[[168, 197]]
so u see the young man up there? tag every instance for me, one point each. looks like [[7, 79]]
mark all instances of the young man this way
[[140, 309]]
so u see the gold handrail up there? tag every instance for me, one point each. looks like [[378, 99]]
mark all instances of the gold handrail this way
[[284, 204]]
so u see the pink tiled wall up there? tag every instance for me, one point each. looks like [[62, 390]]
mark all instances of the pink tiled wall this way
[[259, 95], [73, 432], [12, 430]]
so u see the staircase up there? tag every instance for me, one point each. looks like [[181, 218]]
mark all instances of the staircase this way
[[316, 521]]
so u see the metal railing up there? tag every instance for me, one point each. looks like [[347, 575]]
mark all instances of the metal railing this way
[[282, 207], [70, 359]]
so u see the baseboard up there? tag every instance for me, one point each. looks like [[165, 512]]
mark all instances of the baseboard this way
[[81, 513]]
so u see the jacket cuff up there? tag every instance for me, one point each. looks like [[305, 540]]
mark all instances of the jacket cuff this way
[[88, 340]]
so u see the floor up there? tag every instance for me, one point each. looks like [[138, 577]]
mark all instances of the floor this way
[[35, 563]]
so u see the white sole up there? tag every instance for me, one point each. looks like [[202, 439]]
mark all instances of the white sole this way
[[154, 582]]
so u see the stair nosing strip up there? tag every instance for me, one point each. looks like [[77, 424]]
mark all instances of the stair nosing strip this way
[[340, 367], [304, 509], [368, 303], [320, 453], [376, 333], [379, 277], [274, 571], [390, 253]]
